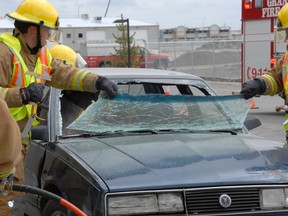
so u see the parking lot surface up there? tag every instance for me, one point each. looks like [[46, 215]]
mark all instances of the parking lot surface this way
[[272, 121]]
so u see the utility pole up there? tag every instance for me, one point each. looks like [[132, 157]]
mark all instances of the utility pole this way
[[107, 8]]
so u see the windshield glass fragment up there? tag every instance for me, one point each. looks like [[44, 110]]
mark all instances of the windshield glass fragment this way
[[163, 112]]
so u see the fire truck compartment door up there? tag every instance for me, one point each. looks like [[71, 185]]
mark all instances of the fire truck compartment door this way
[[257, 38]]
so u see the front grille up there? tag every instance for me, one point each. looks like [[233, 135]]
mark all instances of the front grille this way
[[207, 201]]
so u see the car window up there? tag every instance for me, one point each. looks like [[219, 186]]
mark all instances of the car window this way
[[141, 51], [168, 89], [136, 89]]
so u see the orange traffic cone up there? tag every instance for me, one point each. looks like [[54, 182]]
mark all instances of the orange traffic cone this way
[[253, 105], [167, 91]]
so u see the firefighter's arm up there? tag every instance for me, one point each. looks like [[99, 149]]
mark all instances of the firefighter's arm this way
[[11, 95], [270, 83], [67, 77], [10, 141], [273, 79]]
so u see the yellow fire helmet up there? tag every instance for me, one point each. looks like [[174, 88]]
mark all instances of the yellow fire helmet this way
[[283, 18], [68, 55], [38, 12]]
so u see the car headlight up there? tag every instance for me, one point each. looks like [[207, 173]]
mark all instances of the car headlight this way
[[274, 198], [145, 204]]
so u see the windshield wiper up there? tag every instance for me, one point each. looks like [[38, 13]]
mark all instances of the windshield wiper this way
[[162, 131], [110, 133], [225, 131], [90, 134], [142, 132], [197, 131]]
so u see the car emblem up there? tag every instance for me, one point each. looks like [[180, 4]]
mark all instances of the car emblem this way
[[225, 200]]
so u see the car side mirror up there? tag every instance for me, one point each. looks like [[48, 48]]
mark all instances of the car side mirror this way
[[252, 122]]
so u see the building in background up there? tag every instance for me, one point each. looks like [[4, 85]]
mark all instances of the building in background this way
[[204, 33], [6, 25], [85, 32], [79, 31]]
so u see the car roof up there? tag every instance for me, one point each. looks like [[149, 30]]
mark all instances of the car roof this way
[[142, 73]]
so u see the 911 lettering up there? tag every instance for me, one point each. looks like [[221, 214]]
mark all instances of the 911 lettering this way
[[252, 73]]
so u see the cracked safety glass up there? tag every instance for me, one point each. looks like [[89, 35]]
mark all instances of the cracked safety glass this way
[[163, 112]]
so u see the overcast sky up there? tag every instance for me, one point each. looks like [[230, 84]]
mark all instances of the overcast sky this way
[[166, 13]]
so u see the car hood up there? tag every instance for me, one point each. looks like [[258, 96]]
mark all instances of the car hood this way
[[183, 160]]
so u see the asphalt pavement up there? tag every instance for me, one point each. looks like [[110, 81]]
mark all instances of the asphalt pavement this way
[[226, 80], [272, 121]]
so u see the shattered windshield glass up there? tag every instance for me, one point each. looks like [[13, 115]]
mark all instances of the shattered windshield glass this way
[[163, 112]]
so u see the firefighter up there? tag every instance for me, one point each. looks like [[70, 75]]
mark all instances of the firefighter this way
[[26, 65], [10, 146], [72, 100], [68, 55], [275, 80]]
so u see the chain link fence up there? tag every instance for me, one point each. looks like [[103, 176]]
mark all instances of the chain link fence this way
[[212, 60]]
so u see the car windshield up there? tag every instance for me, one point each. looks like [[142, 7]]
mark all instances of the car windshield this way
[[156, 112]]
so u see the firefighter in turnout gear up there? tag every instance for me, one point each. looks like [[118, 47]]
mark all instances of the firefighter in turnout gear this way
[[66, 54], [10, 145], [275, 80], [26, 65], [72, 100]]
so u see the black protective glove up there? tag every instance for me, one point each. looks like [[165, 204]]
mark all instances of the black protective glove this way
[[253, 87], [105, 84], [33, 93]]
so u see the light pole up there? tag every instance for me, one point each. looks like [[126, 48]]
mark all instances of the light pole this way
[[203, 19], [107, 8], [79, 9], [128, 38]]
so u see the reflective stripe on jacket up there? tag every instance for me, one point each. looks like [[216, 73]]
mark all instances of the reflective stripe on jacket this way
[[285, 83], [21, 77], [285, 74]]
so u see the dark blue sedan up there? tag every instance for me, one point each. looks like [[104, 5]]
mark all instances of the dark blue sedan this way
[[166, 145]]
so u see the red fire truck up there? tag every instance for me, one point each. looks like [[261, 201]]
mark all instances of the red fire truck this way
[[259, 48]]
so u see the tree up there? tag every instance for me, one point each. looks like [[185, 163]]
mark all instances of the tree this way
[[121, 51]]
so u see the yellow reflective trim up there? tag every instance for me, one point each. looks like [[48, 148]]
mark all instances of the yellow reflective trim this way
[[20, 113], [25, 140], [14, 45], [35, 122], [11, 41], [286, 81], [77, 83], [286, 125], [4, 91], [272, 84], [6, 173]]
